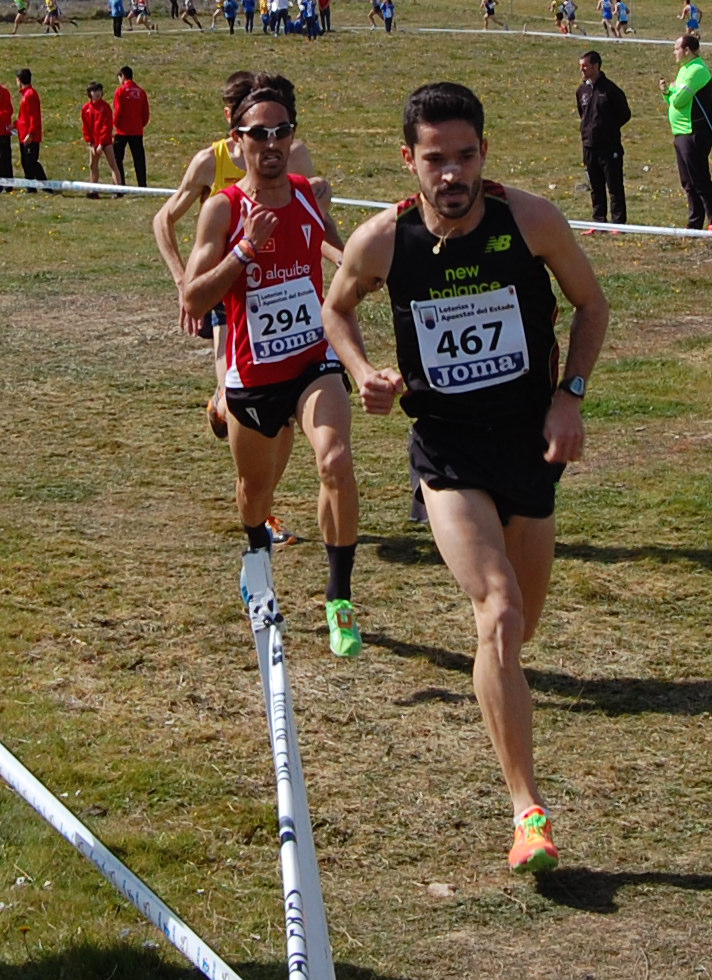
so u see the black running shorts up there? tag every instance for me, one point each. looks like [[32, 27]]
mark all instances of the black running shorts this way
[[269, 408], [505, 460]]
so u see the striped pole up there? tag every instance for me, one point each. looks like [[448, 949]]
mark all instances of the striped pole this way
[[308, 945], [122, 878]]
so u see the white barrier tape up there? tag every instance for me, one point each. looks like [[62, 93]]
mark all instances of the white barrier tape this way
[[122, 878], [81, 187], [517, 32], [70, 186], [642, 229]]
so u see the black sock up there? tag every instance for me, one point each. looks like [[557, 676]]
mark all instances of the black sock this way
[[258, 537], [341, 563]]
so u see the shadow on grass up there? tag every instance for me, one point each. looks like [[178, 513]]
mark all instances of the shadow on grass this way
[[609, 556], [625, 695], [613, 696], [436, 655], [418, 548], [595, 891], [88, 962]]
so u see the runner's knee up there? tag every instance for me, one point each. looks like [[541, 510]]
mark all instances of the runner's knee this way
[[335, 465], [500, 627]]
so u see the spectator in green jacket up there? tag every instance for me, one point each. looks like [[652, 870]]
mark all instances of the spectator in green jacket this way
[[689, 101]]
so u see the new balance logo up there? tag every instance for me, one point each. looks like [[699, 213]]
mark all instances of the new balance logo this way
[[499, 243]]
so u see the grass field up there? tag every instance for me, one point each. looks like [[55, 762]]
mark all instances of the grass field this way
[[128, 675]]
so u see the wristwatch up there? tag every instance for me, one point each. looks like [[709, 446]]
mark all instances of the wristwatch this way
[[575, 385]]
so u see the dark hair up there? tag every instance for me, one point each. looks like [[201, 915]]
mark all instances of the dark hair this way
[[265, 88], [688, 42], [439, 102], [236, 87], [594, 57], [93, 86], [126, 72], [24, 76]]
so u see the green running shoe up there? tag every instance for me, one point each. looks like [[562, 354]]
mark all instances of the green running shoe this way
[[344, 636]]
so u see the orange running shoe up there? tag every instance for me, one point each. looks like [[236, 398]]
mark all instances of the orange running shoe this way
[[533, 848], [278, 532]]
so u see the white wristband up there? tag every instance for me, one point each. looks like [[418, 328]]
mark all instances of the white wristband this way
[[240, 255]]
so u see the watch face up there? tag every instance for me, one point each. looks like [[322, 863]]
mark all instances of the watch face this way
[[576, 385]]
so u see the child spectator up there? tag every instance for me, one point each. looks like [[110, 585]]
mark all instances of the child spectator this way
[[98, 132]]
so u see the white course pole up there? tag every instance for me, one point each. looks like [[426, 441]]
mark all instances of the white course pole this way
[[308, 945], [122, 878]]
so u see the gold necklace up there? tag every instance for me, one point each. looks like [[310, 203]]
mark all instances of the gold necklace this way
[[442, 236], [440, 244], [254, 191]]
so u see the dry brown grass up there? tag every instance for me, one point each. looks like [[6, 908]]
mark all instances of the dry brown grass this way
[[131, 678]]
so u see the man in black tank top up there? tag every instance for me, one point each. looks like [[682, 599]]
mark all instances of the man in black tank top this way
[[465, 261]]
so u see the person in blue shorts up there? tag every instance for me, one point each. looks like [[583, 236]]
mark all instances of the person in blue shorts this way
[[606, 8], [692, 15]]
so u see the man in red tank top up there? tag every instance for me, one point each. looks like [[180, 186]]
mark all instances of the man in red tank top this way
[[258, 246]]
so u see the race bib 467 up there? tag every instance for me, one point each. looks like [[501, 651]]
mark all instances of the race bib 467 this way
[[471, 342]]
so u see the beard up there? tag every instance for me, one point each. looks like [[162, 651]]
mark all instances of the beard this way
[[440, 201]]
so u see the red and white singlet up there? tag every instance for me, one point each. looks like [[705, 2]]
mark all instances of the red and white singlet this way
[[274, 321]]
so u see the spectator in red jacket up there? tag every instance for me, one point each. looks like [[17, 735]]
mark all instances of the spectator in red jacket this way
[[6, 114], [131, 115], [29, 128], [98, 132]]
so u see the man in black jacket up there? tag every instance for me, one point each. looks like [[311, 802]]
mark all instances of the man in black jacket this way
[[604, 110]]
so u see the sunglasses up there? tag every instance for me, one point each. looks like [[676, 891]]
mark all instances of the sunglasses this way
[[264, 133]]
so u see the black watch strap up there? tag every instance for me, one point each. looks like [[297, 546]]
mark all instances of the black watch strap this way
[[575, 385]]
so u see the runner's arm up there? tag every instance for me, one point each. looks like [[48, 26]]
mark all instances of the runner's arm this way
[[300, 162], [332, 247], [211, 270], [549, 236], [367, 259], [195, 180]]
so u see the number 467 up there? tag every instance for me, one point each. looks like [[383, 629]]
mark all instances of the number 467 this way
[[470, 340]]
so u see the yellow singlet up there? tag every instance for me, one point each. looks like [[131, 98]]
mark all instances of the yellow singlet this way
[[226, 173]]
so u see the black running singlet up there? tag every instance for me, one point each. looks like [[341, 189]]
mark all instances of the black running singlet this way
[[474, 320]]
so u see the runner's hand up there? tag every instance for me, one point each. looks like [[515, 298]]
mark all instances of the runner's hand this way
[[188, 324], [379, 389], [563, 429], [260, 224]]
